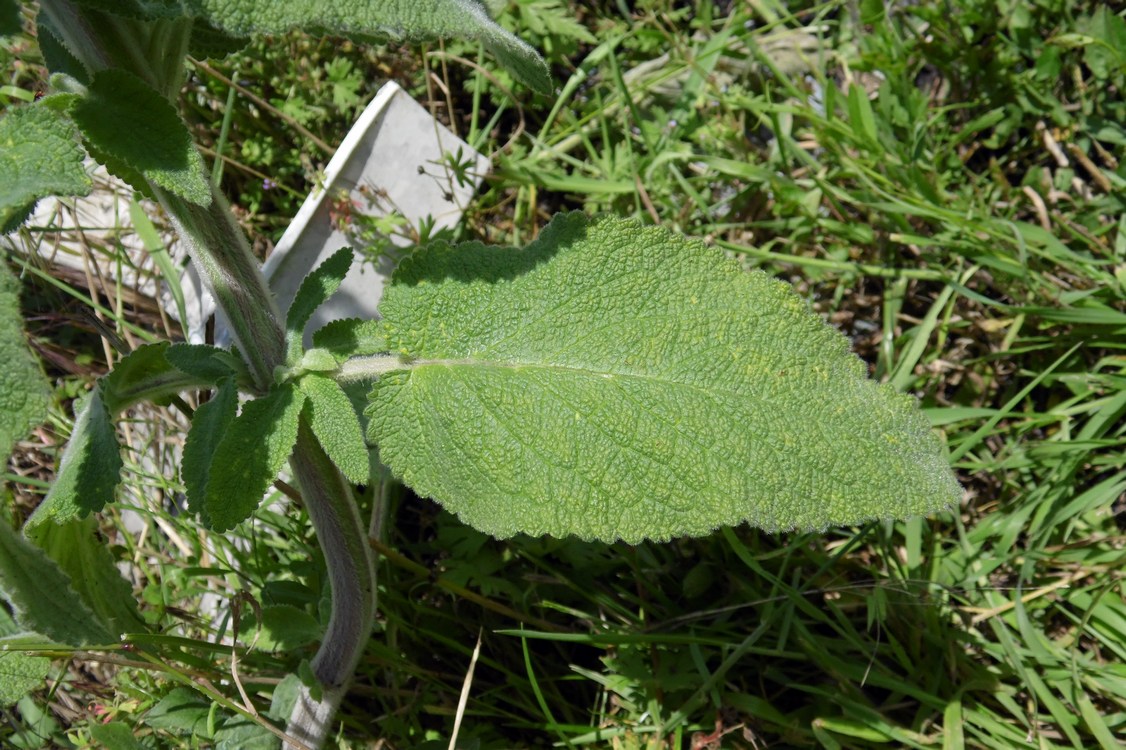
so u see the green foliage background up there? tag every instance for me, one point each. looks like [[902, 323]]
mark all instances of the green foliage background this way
[[943, 181]]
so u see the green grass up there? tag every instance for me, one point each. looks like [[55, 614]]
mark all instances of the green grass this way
[[903, 169]]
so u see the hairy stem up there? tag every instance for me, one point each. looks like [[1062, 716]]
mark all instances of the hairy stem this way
[[220, 252], [222, 255], [351, 569]]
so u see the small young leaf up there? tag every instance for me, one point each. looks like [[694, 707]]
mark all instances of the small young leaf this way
[[618, 381], [89, 470], [39, 156], [41, 596], [209, 364], [209, 425], [317, 287], [283, 628], [350, 337], [317, 360], [23, 389], [183, 711], [92, 569], [250, 455], [399, 19], [114, 736], [160, 150], [337, 426]]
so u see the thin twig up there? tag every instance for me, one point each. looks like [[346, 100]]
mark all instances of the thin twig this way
[[463, 699]]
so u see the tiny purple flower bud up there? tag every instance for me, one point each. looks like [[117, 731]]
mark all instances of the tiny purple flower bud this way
[[268, 184]]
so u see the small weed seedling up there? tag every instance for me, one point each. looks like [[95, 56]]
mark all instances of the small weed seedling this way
[[610, 380]]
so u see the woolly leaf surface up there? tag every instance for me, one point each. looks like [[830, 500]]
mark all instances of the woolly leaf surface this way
[[398, 19], [39, 156], [23, 389], [248, 458], [138, 135], [87, 561], [209, 425], [337, 426], [315, 289], [350, 337], [618, 381]]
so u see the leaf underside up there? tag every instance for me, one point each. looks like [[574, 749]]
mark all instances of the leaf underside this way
[[92, 569], [41, 596], [618, 381], [89, 470]]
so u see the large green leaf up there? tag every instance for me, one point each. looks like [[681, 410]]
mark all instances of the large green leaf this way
[[92, 569], [399, 19], [139, 136], [39, 156], [89, 470], [614, 380], [23, 389], [250, 455], [41, 596]]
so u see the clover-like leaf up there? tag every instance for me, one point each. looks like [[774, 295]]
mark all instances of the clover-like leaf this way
[[39, 156], [139, 136], [619, 381], [23, 389], [336, 425], [399, 19], [248, 458]]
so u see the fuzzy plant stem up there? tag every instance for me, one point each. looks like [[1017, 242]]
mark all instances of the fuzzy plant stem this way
[[223, 258], [221, 254], [351, 569]]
